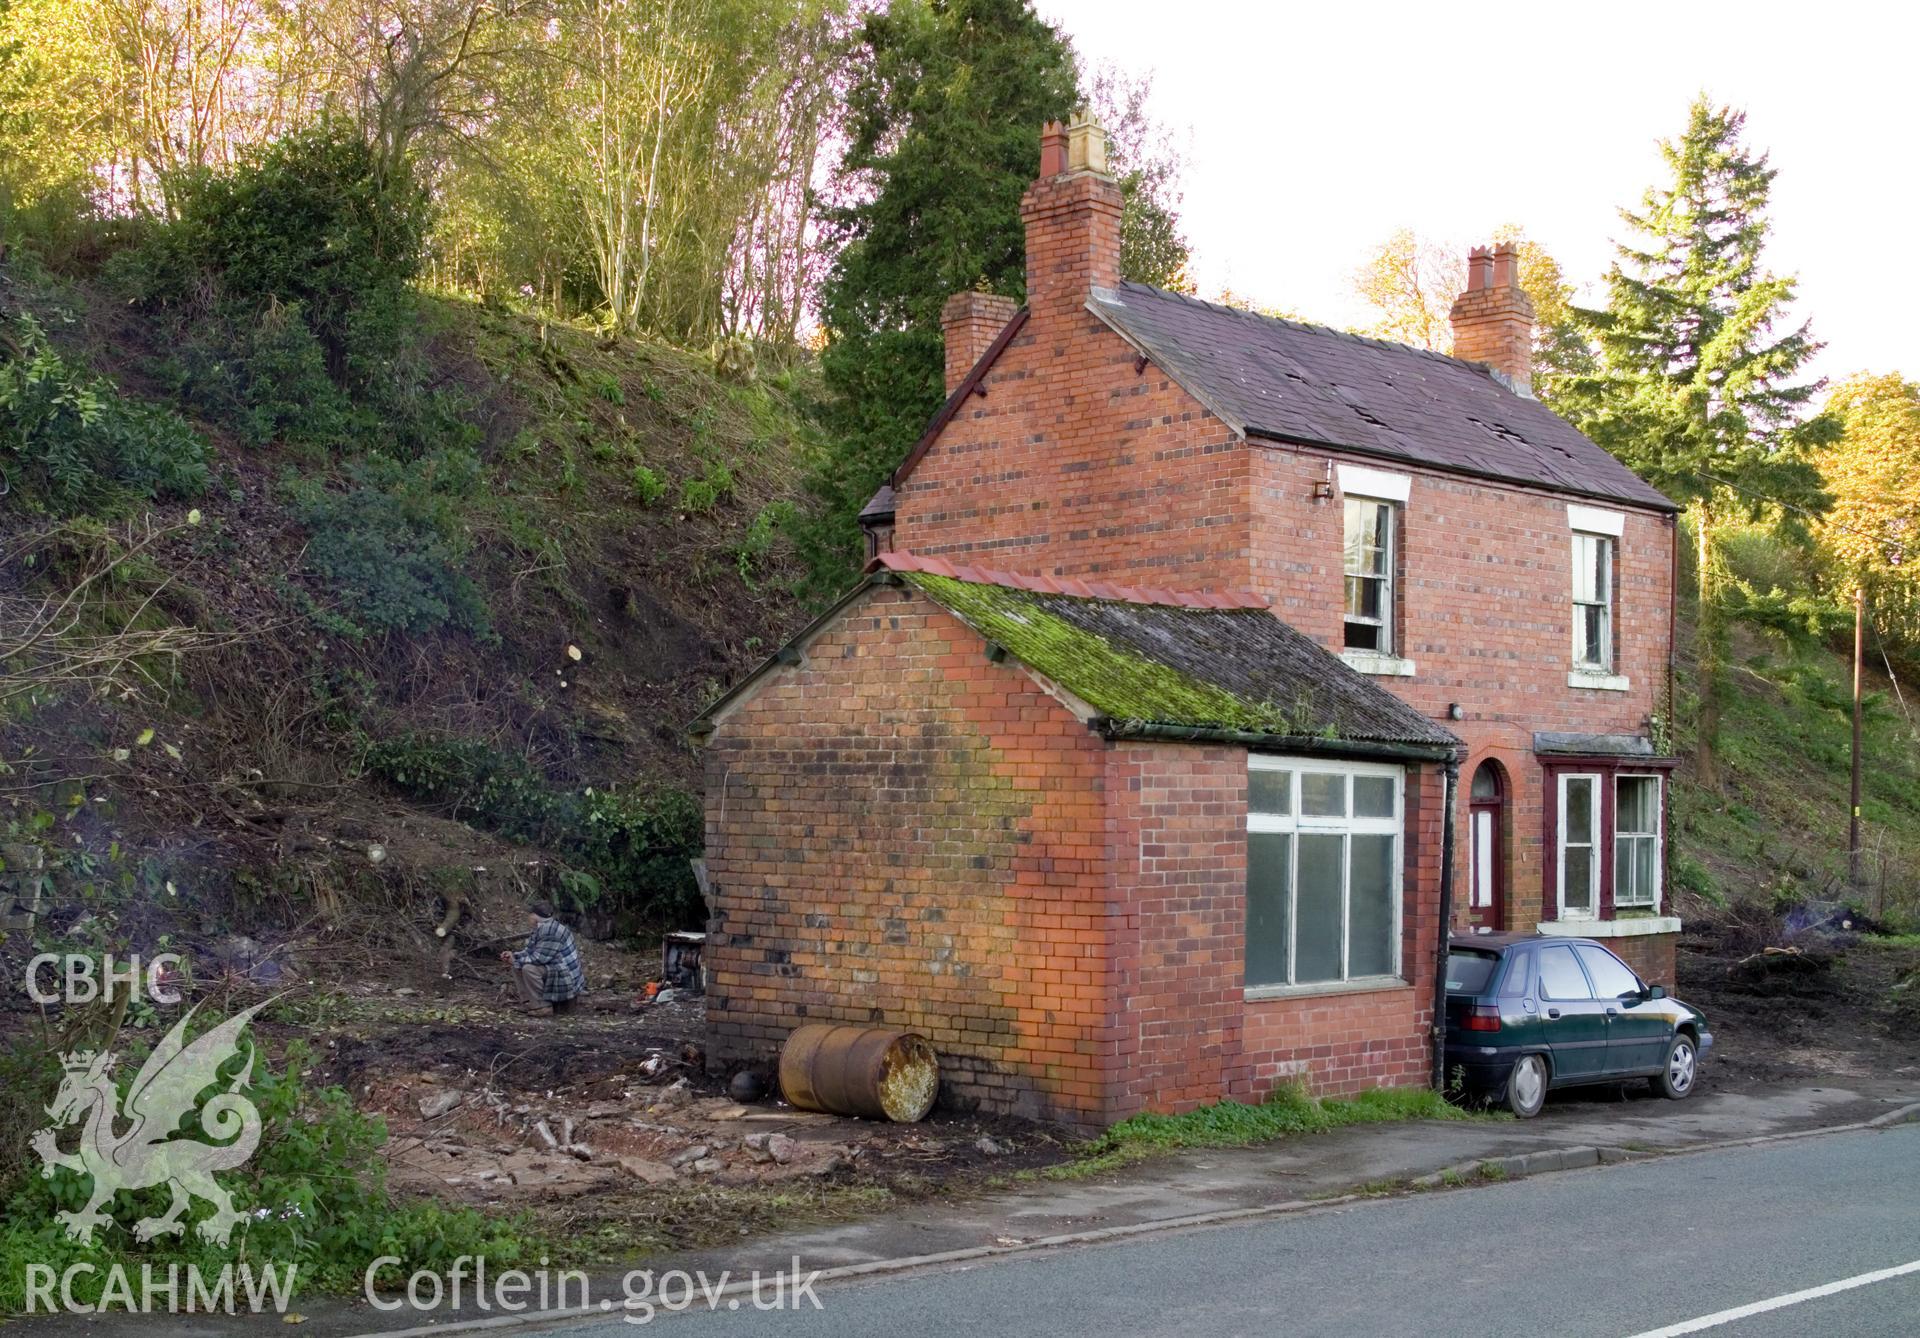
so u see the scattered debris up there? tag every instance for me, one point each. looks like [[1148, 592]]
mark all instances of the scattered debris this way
[[1782, 970], [680, 961], [436, 1104], [992, 1146], [675, 1095], [595, 1117], [747, 1085], [649, 1172]]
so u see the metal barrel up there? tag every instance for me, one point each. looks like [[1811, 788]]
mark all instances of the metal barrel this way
[[881, 1073]]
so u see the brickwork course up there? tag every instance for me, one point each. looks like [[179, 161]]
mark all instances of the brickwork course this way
[[909, 827]]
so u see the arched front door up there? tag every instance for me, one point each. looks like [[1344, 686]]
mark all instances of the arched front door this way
[[1486, 848]]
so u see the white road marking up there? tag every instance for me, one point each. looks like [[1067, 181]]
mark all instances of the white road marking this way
[[1720, 1317]]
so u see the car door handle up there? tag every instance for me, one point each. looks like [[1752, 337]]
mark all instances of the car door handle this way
[[1613, 1012], [1553, 1012]]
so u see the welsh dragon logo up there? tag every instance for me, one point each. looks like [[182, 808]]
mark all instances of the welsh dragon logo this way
[[162, 1095]]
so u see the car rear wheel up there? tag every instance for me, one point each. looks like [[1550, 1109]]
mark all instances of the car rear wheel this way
[[1676, 1080], [1527, 1087]]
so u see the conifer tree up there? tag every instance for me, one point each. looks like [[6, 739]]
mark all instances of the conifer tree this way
[[1696, 388], [944, 117], [944, 113]]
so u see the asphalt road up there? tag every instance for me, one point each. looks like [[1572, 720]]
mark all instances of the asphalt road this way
[[1614, 1252]]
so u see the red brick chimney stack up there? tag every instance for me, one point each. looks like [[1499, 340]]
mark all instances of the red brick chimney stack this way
[[1072, 215], [1493, 320], [970, 322]]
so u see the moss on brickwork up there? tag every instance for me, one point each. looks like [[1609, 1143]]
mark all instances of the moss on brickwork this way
[[1116, 681]]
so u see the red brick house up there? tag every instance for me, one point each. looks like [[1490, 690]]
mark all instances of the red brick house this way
[[1206, 663]]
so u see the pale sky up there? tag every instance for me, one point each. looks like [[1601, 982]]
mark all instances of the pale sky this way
[[1317, 129]]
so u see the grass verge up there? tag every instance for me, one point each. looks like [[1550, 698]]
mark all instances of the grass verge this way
[[1286, 1112]]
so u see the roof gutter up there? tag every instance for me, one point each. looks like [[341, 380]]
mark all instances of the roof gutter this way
[[1311, 744]]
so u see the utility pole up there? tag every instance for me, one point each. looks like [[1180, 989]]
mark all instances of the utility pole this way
[[1859, 660]]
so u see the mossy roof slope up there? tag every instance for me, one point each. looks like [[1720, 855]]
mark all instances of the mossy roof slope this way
[[1240, 670]]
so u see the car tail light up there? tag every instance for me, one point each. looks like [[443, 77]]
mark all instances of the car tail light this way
[[1484, 1017]]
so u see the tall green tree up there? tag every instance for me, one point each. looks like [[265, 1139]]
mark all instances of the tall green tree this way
[[945, 109], [1871, 538], [1699, 386], [1148, 162]]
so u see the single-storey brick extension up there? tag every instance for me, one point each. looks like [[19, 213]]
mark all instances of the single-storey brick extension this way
[[1206, 665]]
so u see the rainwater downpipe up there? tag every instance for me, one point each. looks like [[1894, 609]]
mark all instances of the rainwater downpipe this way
[[1446, 925]]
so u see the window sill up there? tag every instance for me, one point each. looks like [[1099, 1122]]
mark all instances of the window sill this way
[[1600, 682], [1364, 985], [1372, 662], [1631, 927]]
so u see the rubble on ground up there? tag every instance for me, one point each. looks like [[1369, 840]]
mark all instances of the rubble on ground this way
[[500, 1112]]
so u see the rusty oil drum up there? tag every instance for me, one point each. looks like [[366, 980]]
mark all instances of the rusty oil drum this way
[[881, 1073]]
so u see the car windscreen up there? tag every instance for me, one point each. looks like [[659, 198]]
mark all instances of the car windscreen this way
[[1469, 972]]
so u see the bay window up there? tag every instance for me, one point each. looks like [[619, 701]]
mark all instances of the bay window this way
[[1607, 840], [1323, 872], [1636, 841]]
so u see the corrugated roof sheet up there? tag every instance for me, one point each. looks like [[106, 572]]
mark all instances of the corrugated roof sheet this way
[[1183, 665], [1304, 383]]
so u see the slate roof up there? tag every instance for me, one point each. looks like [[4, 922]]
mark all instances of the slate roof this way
[[879, 507], [1551, 743], [1299, 383], [1215, 662]]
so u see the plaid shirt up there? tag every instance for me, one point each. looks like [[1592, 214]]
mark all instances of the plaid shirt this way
[[551, 945]]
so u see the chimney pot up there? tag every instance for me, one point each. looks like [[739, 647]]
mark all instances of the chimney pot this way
[[1506, 266], [1053, 149], [1086, 144], [1479, 268]]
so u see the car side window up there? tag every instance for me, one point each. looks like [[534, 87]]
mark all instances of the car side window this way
[[1611, 978], [1561, 976], [1514, 985]]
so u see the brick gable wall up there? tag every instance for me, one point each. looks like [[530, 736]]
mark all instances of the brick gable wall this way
[[901, 831], [1074, 462]]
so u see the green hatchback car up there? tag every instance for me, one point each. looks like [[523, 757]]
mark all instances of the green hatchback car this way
[[1527, 1013]]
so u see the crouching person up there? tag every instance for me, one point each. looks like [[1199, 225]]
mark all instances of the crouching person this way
[[547, 970]]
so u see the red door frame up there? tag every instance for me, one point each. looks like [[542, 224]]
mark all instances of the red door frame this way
[[1494, 915]]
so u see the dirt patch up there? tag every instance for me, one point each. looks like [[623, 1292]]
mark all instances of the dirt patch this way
[[1842, 1019], [604, 1119]]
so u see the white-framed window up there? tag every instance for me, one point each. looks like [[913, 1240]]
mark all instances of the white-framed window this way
[[1368, 561], [1579, 846], [1323, 872], [1593, 602], [1636, 842]]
